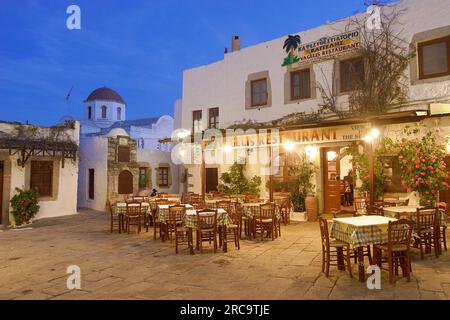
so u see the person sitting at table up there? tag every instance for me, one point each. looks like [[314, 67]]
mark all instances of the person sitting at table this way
[[154, 193]]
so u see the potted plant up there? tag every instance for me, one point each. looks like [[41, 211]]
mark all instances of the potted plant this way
[[24, 206], [235, 183], [301, 188]]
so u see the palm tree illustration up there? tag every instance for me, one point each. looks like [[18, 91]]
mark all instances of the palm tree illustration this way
[[291, 44]]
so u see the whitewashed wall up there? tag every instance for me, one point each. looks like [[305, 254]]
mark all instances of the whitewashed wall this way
[[222, 84]]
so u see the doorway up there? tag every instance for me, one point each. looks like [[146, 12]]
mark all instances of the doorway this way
[[212, 179], [332, 186]]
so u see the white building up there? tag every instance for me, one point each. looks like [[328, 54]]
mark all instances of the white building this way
[[119, 156], [42, 158], [250, 84]]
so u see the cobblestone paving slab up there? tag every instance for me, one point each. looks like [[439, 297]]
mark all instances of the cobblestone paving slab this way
[[33, 265]]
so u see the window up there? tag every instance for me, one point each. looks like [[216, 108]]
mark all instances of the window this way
[[104, 110], [300, 84], [213, 118], [123, 154], [352, 72], [89, 112], [143, 178], [41, 177], [434, 58], [119, 114], [91, 190], [393, 173], [163, 176], [197, 121], [125, 182], [259, 92]]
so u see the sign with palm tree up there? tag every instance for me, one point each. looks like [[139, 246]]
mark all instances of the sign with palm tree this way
[[290, 44]]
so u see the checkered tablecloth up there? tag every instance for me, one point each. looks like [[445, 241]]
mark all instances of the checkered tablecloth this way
[[248, 210], [361, 231], [121, 207], [163, 212], [190, 219], [392, 212]]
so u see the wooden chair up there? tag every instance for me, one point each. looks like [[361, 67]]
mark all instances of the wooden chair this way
[[375, 211], [247, 223], [233, 228], [344, 214], [206, 228], [154, 218], [397, 250], [175, 225], [330, 250], [133, 216], [285, 210], [265, 220], [115, 218], [360, 205], [224, 204], [443, 229], [427, 230]]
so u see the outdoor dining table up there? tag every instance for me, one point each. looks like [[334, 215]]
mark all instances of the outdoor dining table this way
[[360, 232], [411, 210], [190, 221]]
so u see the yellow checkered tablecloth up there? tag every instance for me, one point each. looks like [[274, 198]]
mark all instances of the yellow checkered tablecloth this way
[[361, 231], [248, 210], [163, 212], [121, 207], [190, 219], [393, 211]]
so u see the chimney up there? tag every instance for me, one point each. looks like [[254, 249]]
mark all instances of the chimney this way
[[235, 43]]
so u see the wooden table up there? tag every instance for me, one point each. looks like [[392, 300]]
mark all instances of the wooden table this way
[[361, 232]]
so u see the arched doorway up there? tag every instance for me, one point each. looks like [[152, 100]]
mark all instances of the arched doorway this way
[[125, 182]]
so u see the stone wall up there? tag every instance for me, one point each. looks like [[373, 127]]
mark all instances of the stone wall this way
[[115, 167]]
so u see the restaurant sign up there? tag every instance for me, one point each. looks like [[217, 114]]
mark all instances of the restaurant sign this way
[[322, 49], [326, 135]]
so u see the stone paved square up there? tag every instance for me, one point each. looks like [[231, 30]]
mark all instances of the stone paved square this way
[[122, 266]]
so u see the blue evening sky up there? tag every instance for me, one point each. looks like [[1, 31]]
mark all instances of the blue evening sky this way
[[139, 48]]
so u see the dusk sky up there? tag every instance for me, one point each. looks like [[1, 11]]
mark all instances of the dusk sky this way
[[138, 48]]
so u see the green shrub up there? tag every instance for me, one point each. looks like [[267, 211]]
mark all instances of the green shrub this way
[[24, 205]]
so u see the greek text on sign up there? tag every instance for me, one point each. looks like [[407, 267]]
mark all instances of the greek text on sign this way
[[329, 47]]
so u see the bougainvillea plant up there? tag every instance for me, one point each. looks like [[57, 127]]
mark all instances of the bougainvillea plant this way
[[24, 206], [422, 164]]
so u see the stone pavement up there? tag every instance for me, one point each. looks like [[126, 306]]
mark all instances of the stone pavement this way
[[33, 265]]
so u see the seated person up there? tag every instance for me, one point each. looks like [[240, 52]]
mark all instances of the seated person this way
[[154, 193], [413, 198]]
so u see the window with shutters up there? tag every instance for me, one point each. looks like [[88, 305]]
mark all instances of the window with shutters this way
[[125, 182], [91, 191], [300, 84], [41, 177], [352, 73], [213, 118], [123, 154], [143, 178], [197, 121], [163, 176], [434, 58], [259, 92]]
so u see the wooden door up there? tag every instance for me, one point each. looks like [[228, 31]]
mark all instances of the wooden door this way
[[91, 184], [212, 179], [1, 190], [331, 173]]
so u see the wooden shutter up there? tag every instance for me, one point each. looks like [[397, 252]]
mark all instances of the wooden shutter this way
[[41, 177], [125, 182], [91, 184], [163, 176], [123, 154]]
